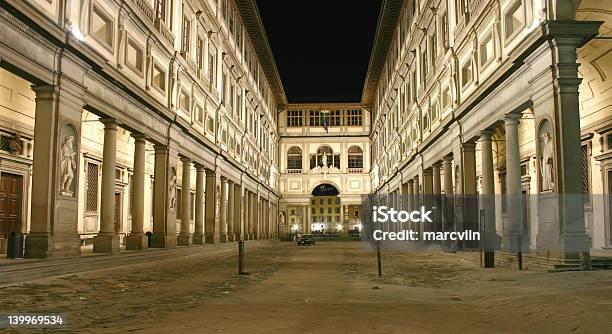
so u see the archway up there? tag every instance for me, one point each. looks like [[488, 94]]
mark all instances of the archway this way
[[325, 210]]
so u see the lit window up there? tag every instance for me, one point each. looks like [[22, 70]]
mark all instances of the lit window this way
[[446, 98], [294, 158], [101, 27], [487, 51], [514, 19], [294, 118], [199, 114], [184, 102], [466, 73], [185, 33], [159, 77], [134, 56]]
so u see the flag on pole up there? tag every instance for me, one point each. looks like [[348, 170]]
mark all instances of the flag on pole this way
[[325, 122]]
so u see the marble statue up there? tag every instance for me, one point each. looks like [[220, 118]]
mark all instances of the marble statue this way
[[172, 191], [375, 177], [281, 219], [324, 160], [547, 167], [68, 166]]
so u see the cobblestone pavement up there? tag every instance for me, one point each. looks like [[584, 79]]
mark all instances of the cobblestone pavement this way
[[329, 288]]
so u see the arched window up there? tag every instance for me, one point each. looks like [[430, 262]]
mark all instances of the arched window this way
[[355, 159], [333, 160], [294, 160]]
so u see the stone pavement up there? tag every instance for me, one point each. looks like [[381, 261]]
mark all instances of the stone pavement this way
[[329, 288]]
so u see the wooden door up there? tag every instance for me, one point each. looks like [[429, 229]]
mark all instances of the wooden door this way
[[117, 213], [10, 203]]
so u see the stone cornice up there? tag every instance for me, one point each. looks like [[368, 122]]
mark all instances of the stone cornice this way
[[385, 31], [254, 27]]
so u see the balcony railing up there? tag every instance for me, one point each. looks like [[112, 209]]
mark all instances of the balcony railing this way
[[146, 8], [355, 170], [161, 26], [294, 171]]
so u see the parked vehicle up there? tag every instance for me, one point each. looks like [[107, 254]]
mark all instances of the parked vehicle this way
[[306, 239]]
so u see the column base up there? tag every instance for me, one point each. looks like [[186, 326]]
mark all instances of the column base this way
[[224, 237], [231, 237], [237, 237], [163, 241], [106, 243], [198, 238], [184, 239], [45, 246], [211, 238], [136, 241]]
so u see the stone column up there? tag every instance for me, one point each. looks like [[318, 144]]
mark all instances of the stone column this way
[[437, 193], [107, 240], [137, 240], [211, 233], [54, 213], [564, 38], [416, 205], [427, 197], [256, 216], [223, 211], [487, 199], [448, 202], [184, 237], [238, 230], [513, 225], [164, 201], [198, 233], [470, 203], [251, 215], [230, 211]]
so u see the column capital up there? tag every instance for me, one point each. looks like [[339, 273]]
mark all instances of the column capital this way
[[159, 148], [436, 165], [185, 159], [199, 167], [139, 137], [411, 181], [223, 179], [230, 182], [109, 123], [468, 146], [447, 159], [486, 134], [428, 171], [210, 172], [511, 118], [45, 91]]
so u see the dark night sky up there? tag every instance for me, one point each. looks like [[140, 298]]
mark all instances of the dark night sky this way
[[321, 47]]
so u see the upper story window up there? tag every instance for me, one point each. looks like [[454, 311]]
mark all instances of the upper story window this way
[[294, 118], [185, 36], [200, 53], [294, 158], [514, 19], [314, 118], [355, 157], [354, 117], [486, 50], [466, 73], [212, 64], [159, 77], [184, 101], [163, 11], [334, 118], [101, 27], [134, 56], [198, 114]]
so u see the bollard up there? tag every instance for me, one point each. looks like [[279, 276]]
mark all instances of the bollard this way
[[241, 257], [379, 259]]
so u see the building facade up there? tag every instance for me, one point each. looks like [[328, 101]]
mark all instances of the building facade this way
[[125, 117], [325, 164], [504, 100]]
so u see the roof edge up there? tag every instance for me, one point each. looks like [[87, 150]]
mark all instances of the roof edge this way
[[385, 30]]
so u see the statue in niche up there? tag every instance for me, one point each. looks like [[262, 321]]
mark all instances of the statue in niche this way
[[15, 144], [546, 166], [218, 197], [324, 159], [68, 166], [281, 219], [172, 190]]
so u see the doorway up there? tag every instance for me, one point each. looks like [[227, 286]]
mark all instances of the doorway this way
[[11, 186], [117, 213]]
